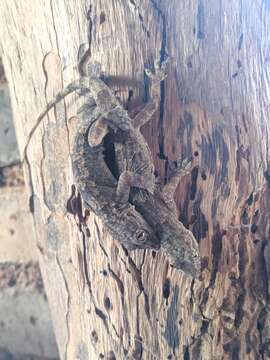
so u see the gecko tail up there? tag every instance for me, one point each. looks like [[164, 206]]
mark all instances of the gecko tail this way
[[73, 86]]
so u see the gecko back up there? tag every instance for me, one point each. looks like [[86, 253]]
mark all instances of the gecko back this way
[[98, 186]]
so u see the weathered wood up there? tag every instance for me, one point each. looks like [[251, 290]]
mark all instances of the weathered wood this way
[[214, 104]]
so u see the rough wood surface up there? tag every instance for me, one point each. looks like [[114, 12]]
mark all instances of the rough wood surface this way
[[215, 104]]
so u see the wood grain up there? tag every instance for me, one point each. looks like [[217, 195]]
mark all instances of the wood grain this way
[[107, 303]]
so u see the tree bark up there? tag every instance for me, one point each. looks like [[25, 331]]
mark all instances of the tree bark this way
[[107, 303]]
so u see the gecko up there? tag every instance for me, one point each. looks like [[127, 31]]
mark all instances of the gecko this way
[[95, 182], [135, 172], [125, 201], [97, 187], [137, 183]]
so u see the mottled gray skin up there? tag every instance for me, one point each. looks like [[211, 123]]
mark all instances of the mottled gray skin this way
[[97, 187], [135, 162], [178, 243]]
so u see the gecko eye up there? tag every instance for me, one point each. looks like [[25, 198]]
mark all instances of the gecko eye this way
[[140, 235]]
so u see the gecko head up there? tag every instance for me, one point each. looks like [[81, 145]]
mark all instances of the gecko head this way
[[139, 234], [180, 247]]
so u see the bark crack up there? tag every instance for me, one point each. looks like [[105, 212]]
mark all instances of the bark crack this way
[[42, 176], [239, 312], [265, 309], [98, 312], [121, 289], [106, 322], [54, 26], [136, 7], [163, 55], [67, 306], [99, 242], [216, 256], [90, 28]]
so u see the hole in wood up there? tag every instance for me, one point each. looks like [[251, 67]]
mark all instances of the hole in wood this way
[[203, 175], [193, 188], [102, 17], [192, 220], [166, 288], [250, 199], [256, 213], [94, 336], [130, 95], [107, 303], [204, 263], [254, 228], [111, 356]]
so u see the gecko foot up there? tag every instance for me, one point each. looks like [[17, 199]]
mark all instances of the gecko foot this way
[[160, 71], [177, 169], [179, 166], [94, 69]]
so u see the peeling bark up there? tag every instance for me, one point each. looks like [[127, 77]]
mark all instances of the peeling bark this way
[[106, 302]]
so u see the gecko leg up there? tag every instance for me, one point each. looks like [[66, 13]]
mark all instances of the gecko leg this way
[[97, 131], [151, 107], [102, 94], [112, 113], [182, 168], [104, 97], [125, 181]]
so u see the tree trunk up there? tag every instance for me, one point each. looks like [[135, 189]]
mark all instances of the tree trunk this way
[[107, 303]]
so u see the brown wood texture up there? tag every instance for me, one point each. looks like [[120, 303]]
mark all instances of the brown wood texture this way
[[110, 304]]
